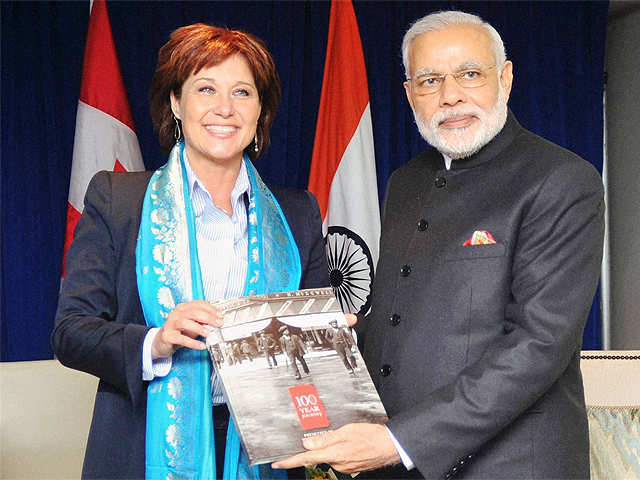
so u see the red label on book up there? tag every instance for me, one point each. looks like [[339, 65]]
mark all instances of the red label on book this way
[[309, 407]]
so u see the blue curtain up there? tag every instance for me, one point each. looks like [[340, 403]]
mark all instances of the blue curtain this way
[[557, 49]]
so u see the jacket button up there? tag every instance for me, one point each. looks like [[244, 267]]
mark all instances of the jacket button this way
[[405, 270], [385, 370], [440, 182], [422, 224], [394, 319]]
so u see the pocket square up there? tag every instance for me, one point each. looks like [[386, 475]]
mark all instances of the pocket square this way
[[480, 237]]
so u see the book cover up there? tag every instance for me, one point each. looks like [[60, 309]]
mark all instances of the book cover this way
[[290, 368]]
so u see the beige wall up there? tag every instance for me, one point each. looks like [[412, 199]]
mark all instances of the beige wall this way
[[45, 413]]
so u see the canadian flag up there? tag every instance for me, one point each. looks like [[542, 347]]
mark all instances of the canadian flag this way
[[343, 168], [105, 137]]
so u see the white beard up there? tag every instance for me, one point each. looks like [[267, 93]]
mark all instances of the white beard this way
[[463, 142]]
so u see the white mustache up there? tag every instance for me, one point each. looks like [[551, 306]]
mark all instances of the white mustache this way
[[442, 116]]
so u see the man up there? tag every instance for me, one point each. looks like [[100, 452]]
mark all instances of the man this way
[[230, 353], [294, 348], [267, 344], [490, 254], [238, 356], [214, 351], [248, 351], [341, 339]]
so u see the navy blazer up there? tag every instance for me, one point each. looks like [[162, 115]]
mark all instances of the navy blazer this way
[[100, 326], [474, 349]]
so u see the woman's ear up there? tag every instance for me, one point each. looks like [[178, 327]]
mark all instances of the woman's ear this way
[[175, 105]]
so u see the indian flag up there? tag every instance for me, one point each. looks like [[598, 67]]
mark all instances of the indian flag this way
[[343, 168]]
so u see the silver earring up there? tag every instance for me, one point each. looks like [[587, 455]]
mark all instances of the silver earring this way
[[255, 143], [177, 133]]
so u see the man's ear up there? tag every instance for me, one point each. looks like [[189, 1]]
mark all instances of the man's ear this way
[[175, 105], [506, 78], [407, 90]]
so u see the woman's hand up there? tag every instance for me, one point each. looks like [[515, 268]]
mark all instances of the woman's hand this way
[[351, 319], [183, 325]]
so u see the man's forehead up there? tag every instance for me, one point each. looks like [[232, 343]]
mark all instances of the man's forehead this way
[[452, 48]]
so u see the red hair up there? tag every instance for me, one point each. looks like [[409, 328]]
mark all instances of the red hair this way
[[194, 47]]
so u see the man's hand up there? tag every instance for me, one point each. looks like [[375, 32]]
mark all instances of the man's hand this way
[[356, 447], [183, 325]]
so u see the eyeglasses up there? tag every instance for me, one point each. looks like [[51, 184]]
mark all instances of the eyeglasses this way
[[428, 83]]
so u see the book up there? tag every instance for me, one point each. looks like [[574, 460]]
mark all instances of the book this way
[[290, 368]]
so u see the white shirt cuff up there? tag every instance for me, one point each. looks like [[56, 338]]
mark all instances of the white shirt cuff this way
[[153, 368], [406, 461]]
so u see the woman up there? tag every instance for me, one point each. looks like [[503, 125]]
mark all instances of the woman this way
[[201, 228]]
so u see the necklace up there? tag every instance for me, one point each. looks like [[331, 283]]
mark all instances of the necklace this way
[[223, 209]]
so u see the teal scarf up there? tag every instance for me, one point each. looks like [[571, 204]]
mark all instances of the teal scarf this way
[[179, 437]]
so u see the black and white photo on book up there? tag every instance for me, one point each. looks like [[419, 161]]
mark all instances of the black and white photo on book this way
[[290, 368]]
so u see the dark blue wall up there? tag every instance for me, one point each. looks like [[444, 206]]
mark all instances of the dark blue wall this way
[[557, 49]]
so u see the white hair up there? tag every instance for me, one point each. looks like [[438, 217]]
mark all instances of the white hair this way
[[442, 20]]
